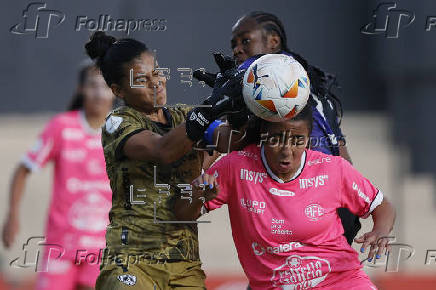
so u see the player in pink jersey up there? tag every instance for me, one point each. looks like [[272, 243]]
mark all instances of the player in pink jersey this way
[[282, 200], [81, 195]]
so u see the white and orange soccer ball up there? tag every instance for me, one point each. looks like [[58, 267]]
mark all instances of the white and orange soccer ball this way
[[276, 87]]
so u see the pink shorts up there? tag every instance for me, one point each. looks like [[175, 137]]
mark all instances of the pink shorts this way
[[66, 273]]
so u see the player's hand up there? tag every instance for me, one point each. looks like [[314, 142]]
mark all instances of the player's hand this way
[[376, 241], [225, 98], [10, 231], [205, 187], [227, 94], [204, 76], [224, 63]]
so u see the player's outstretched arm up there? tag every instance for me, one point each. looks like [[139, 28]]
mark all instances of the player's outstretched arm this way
[[384, 218], [204, 188], [11, 225], [149, 146], [162, 149]]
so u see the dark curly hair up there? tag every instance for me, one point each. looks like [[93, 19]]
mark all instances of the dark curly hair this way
[[111, 54]]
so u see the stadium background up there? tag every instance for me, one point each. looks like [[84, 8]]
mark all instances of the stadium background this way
[[388, 95]]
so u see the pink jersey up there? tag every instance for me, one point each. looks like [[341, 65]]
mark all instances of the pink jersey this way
[[288, 234], [81, 195]]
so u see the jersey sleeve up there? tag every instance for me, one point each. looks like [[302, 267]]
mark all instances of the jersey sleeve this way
[[119, 126], [45, 148], [184, 109], [221, 171], [358, 194]]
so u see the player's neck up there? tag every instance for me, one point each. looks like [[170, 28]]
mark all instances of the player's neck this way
[[157, 116], [287, 176], [95, 121]]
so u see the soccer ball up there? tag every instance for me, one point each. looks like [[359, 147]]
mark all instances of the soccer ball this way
[[276, 87]]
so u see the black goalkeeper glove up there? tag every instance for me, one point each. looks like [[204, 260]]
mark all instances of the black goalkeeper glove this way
[[236, 110], [224, 63], [226, 98]]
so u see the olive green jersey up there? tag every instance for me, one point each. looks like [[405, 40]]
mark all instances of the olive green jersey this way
[[142, 220]]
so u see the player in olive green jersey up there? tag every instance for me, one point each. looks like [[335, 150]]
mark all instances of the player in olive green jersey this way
[[150, 163]]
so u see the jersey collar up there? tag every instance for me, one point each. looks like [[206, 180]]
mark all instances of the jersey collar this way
[[275, 177], [85, 125]]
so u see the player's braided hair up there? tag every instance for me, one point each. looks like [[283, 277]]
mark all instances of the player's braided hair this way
[[322, 82], [111, 54]]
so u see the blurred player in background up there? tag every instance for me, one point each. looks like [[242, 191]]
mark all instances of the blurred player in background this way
[[283, 199], [81, 194], [260, 33], [150, 162]]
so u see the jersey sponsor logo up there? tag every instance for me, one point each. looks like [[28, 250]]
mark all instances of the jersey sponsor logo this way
[[74, 185], [60, 266], [94, 143], [259, 250], [94, 166], [314, 211], [89, 213], [74, 155], [281, 192], [112, 123], [316, 181], [72, 134], [256, 177], [92, 242], [318, 161], [127, 279], [360, 193], [301, 272], [248, 154], [278, 227], [253, 205]]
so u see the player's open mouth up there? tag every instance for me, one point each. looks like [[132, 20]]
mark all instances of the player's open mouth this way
[[285, 165]]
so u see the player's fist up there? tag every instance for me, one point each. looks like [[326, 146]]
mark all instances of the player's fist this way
[[224, 62]]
